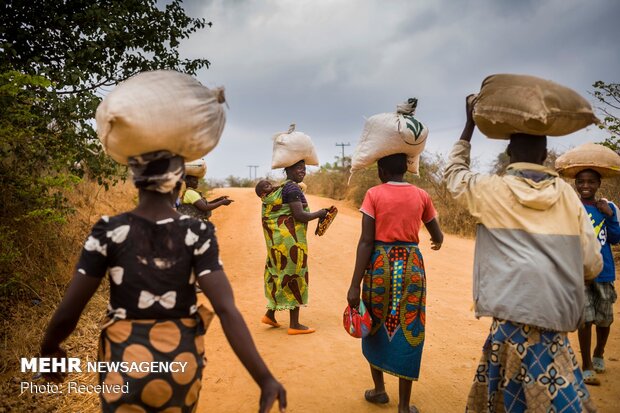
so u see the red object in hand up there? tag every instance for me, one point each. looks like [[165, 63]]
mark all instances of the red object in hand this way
[[357, 321]]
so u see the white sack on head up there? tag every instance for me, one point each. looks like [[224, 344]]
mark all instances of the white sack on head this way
[[197, 168], [291, 147], [390, 133], [588, 156], [160, 110], [509, 104]]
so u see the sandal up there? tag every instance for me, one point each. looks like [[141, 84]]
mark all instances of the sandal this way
[[269, 321], [377, 398], [413, 409], [589, 377], [599, 364]]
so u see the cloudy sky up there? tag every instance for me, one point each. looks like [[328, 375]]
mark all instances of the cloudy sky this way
[[326, 65]]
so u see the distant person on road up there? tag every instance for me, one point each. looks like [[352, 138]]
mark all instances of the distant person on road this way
[[285, 217], [394, 281], [534, 248], [600, 294], [195, 205]]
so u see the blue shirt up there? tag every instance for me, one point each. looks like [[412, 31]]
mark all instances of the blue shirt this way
[[607, 231]]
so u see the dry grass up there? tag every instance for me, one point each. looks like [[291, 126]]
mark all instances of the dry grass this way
[[453, 217], [48, 259]]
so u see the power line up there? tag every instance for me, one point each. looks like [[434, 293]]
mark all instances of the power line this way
[[342, 145], [255, 169]]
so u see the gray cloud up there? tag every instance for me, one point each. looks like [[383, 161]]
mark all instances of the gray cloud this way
[[328, 64]]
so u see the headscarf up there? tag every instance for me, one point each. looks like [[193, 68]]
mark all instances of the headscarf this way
[[157, 171]]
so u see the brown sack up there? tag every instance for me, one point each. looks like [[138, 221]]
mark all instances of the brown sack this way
[[588, 156], [196, 168], [291, 147], [510, 104], [160, 110]]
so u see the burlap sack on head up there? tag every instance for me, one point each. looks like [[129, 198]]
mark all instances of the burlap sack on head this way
[[196, 168], [160, 110], [509, 104], [588, 156], [291, 147], [390, 133]]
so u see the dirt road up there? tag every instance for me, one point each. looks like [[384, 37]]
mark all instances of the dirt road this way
[[325, 371]]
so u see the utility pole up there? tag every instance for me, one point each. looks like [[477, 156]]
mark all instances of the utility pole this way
[[255, 168], [342, 145]]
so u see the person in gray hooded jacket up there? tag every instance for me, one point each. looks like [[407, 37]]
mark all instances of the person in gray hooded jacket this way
[[534, 248]]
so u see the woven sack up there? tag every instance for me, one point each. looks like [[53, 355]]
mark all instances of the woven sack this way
[[391, 133], [196, 168], [509, 104], [160, 110], [291, 147], [588, 156]]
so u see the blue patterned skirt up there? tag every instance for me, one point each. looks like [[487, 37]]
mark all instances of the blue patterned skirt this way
[[394, 291], [524, 368]]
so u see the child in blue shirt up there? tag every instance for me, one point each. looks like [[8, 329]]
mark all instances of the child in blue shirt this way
[[600, 294]]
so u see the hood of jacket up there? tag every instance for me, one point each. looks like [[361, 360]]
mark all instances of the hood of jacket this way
[[534, 186]]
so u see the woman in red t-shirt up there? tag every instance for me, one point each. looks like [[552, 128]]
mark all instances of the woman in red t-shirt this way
[[394, 282]]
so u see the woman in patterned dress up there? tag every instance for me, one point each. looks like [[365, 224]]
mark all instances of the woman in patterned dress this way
[[285, 217], [152, 256], [394, 282]]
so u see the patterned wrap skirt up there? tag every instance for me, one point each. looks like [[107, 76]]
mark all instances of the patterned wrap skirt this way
[[394, 291], [165, 341], [286, 268], [526, 369]]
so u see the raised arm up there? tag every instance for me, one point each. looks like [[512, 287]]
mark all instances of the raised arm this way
[[461, 182], [365, 247], [590, 246], [217, 289]]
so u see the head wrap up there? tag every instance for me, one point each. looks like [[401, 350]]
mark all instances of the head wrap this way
[[157, 171]]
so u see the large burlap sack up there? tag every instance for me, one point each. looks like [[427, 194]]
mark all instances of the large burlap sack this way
[[588, 156], [160, 110], [291, 147], [196, 168], [510, 104], [390, 133]]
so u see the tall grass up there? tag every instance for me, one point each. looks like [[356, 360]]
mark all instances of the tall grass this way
[[33, 283]]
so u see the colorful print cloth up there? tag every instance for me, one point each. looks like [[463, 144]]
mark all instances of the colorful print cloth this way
[[394, 290], [177, 343], [526, 369], [286, 269]]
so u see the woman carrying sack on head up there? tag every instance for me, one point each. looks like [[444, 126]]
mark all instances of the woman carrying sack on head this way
[[389, 265], [285, 217], [153, 256], [192, 201]]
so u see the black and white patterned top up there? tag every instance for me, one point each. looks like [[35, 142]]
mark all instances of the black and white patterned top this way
[[152, 266]]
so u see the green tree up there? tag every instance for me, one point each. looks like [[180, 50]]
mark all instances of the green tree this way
[[608, 96], [58, 56]]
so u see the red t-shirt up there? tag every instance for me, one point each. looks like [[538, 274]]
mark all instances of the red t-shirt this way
[[399, 209]]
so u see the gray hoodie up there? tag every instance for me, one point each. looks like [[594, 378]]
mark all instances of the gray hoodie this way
[[534, 243]]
